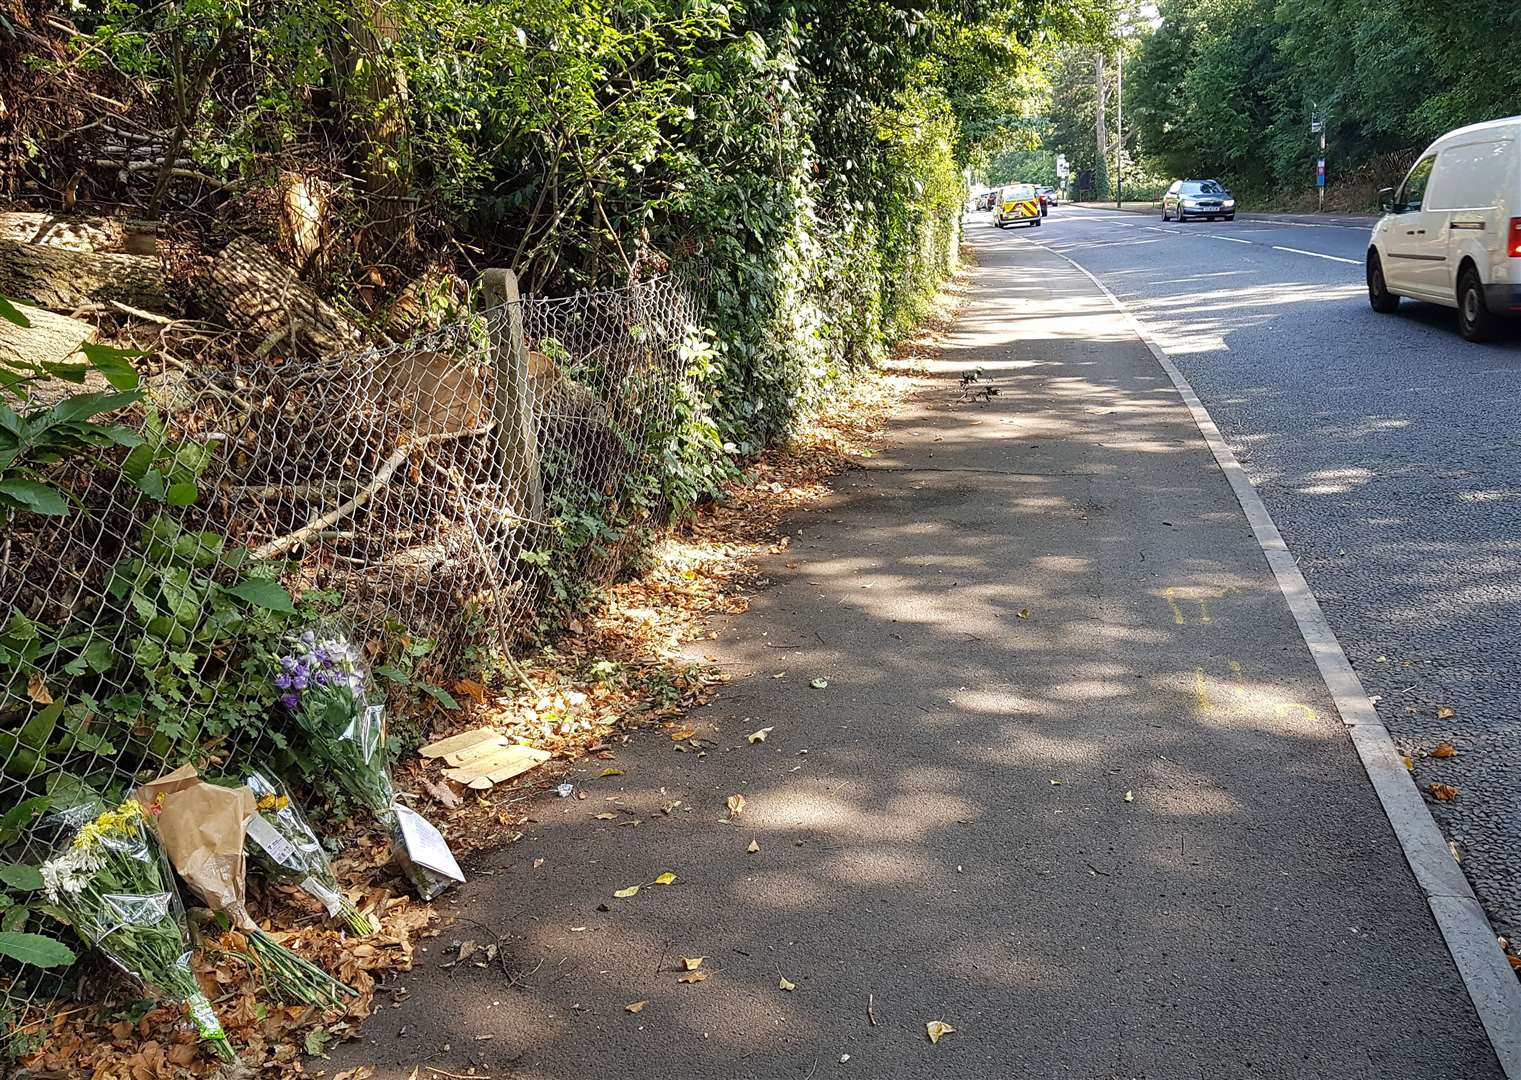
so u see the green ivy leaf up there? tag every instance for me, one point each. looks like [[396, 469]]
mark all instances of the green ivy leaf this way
[[36, 950], [12, 314], [182, 494], [264, 593], [440, 695], [37, 497], [115, 364], [20, 876]]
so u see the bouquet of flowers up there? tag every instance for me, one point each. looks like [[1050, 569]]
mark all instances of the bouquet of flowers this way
[[112, 883], [204, 829], [325, 686], [283, 843]]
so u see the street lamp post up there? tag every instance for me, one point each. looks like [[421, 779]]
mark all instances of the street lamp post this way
[[1119, 130]]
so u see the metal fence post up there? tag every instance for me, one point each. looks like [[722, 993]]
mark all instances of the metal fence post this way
[[512, 404]]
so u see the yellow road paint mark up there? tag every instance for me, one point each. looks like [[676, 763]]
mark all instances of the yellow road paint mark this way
[[1172, 602], [1289, 708], [1201, 692]]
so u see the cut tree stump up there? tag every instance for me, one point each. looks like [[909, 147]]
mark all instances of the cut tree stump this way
[[62, 280], [50, 339], [63, 231], [261, 295]]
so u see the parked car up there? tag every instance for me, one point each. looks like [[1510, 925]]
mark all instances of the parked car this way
[[1198, 199], [1451, 233], [1018, 204], [988, 200], [1049, 195]]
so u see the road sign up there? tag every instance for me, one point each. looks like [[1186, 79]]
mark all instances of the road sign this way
[[1317, 125], [1063, 170], [1320, 173]]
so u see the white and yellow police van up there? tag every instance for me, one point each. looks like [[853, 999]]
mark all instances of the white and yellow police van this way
[[1018, 204]]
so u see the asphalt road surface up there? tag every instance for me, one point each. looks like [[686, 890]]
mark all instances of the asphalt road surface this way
[[1388, 451], [1048, 762]]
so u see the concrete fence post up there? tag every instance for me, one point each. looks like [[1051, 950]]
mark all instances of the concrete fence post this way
[[517, 452]]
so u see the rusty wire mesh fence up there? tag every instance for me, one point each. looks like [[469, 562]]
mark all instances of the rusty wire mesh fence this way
[[434, 495]]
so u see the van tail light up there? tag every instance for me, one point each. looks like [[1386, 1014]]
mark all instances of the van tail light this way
[[1513, 241]]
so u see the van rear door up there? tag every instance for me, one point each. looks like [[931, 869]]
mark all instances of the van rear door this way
[[1467, 194]]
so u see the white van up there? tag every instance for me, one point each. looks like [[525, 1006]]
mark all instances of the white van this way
[[1451, 233]]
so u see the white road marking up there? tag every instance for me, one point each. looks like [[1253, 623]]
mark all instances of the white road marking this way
[[1232, 239], [1318, 255]]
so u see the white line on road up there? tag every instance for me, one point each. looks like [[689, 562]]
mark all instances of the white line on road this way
[[1318, 255], [1232, 239]]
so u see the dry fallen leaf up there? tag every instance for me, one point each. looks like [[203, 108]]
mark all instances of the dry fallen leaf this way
[[754, 847], [1442, 750], [736, 805], [692, 977], [682, 734], [1445, 713], [606, 815], [611, 772], [471, 689], [443, 793], [936, 1029], [666, 878], [787, 984], [37, 690], [1023, 613], [1515, 961], [692, 963], [757, 736], [1130, 796], [1442, 792], [1405, 761], [624, 894], [538, 863], [635, 1006], [820, 684]]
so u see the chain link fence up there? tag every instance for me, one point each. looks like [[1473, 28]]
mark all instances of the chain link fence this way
[[435, 495]]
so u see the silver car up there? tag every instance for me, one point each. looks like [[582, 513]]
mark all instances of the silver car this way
[[1198, 199]]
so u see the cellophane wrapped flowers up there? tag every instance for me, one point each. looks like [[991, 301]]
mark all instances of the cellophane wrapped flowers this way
[[324, 684], [113, 884], [286, 848], [203, 828]]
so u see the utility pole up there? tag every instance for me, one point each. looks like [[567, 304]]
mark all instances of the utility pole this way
[[1318, 127], [1119, 128], [1100, 124]]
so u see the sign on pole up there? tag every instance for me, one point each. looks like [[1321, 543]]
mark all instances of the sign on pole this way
[[1317, 125], [1320, 172]]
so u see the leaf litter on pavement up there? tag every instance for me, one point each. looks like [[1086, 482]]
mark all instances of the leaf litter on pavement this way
[[618, 668]]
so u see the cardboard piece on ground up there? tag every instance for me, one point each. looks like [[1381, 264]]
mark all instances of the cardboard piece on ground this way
[[480, 750], [455, 743], [502, 764]]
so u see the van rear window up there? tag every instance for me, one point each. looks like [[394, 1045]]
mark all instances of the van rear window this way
[[1471, 176]]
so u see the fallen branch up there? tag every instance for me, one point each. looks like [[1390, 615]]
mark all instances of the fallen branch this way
[[382, 477]]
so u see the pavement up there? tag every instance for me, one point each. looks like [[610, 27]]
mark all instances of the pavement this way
[[1074, 786], [1387, 450]]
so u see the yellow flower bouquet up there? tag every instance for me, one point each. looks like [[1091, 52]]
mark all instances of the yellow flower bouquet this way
[[112, 882]]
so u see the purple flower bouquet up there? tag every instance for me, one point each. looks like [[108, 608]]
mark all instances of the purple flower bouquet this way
[[325, 685]]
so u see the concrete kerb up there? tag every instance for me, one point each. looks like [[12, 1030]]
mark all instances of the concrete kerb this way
[[1359, 222], [1492, 985]]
